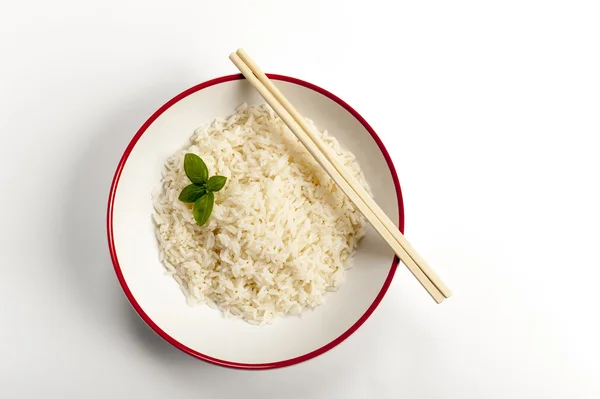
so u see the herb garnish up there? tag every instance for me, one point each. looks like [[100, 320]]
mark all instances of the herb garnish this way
[[200, 192]]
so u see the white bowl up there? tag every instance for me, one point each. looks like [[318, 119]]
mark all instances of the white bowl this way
[[204, 332]]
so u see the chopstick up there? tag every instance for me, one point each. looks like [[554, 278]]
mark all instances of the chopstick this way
[[352, 181], [349, 185]]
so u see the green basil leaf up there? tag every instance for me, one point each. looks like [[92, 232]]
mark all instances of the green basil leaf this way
[[192, 193], [203, 208], [215, 183], [195, 168]]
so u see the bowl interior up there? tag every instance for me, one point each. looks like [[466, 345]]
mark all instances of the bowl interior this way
[[205, 332]]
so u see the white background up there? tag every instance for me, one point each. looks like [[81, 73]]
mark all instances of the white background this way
[[490, 110]]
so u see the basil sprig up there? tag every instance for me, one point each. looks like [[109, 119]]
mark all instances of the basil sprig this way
[[201, 191]]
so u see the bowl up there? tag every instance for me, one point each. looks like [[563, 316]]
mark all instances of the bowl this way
[[202, 331]]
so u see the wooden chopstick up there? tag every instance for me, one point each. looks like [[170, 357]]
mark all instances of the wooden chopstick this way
[[339, 176], [352, 181]]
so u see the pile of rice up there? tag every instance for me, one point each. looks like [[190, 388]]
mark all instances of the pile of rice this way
[[281, 233]]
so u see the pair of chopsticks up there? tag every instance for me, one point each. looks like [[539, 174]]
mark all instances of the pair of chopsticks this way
[[340, 175]]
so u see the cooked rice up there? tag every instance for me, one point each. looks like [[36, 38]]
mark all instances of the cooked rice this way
[[281, 233]]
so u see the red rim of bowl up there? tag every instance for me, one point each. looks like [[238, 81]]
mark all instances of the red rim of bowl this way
[[173, 341]]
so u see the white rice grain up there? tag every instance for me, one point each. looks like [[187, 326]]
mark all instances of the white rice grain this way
[[281, 233]]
